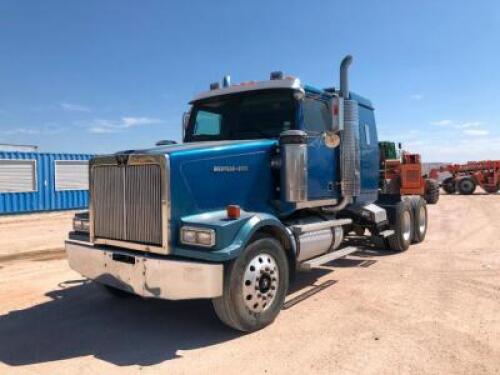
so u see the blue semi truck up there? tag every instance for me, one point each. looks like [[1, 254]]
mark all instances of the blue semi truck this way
[[273, 177]]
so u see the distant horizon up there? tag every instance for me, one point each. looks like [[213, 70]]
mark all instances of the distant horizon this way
[[99, 77]]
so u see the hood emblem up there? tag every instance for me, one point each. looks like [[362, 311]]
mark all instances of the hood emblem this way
[[122, 159]]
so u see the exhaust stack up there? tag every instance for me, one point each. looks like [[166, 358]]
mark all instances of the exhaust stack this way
[[349, 146], [344, 76]]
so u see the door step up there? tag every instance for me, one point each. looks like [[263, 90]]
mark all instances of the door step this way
[[304, 228], [319, 261]]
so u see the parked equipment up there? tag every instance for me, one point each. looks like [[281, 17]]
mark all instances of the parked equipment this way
[[466, 177], [273, 177], [404, 174]]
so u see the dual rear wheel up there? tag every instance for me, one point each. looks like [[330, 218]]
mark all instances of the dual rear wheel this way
[[464, 185], [410, 223]]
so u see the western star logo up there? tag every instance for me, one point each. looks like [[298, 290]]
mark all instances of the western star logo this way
[[230, 168]]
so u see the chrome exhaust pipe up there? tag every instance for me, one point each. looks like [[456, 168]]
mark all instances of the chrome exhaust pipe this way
[[344, 76], [349, 147]]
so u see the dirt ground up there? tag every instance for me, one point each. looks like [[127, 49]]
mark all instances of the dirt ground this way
[[34, 233], [434, 309]]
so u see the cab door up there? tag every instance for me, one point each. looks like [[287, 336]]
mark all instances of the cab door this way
[[323, 171]]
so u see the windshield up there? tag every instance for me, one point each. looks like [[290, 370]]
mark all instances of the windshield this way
[[247, 115]]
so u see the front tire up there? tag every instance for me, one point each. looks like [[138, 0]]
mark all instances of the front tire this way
[[431, 194], [255, 286], [403, 227]]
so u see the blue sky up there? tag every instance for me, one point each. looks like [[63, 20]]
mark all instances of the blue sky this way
[[99, 76]]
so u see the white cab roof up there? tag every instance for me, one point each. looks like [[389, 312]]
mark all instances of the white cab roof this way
[[286, 83]]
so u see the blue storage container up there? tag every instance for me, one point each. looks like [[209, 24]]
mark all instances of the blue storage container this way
[[32, 181]]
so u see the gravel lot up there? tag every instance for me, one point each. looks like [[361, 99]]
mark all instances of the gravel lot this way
[[434, 309]]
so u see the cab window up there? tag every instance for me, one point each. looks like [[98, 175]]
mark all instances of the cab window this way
[[367, 135], [248, 115], [316, 115], [207, 123]]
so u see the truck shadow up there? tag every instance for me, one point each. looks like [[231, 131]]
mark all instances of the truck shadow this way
[[82, 319], [306, 279]]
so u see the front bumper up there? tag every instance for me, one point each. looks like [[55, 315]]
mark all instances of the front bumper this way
[[145, 275]]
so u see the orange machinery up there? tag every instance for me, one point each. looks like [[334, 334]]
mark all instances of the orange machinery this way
[[404, 175]]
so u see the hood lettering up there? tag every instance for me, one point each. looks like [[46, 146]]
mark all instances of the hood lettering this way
[[230, 168]]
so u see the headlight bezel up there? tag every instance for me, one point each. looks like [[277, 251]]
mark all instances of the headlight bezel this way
[[196, 232]]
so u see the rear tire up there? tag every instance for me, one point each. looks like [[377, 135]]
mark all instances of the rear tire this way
[[466, 186], [420, 219], [431, 194], [255, 286], [403, 223], [449, 186], [491, 189]]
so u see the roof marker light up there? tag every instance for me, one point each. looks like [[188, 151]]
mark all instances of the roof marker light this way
[[276, 75]]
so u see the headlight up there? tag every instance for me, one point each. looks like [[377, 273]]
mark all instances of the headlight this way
[[80, 223], [198, 236]]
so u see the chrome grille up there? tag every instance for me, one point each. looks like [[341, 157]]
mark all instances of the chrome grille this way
[[126, 203]]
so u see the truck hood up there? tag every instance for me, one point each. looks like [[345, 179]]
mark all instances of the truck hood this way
[[208, 176]]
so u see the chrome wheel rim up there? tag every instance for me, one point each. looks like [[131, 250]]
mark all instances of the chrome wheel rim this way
[[422, 219], [260, 283], [406, 226]]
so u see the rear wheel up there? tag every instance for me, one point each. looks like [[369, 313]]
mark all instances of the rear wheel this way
[[466, 186], [431, 194], [420, 219], [491, 189], [403, 223], [255, 286], [448, 185]]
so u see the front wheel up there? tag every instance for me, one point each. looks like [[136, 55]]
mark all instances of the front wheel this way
[[255, 286], [431, 194]]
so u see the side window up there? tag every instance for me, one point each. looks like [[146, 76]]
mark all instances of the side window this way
[[316, 115], [368, 140], [17, 176], [207, 123], [71, 175]]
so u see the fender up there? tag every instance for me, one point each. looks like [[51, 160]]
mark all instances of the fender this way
[[248, 224]]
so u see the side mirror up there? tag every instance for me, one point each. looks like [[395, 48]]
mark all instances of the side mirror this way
[[185, 122], [337, 112], [165, 142]]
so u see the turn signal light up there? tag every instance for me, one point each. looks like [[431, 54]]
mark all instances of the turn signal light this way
[[233, 211]]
